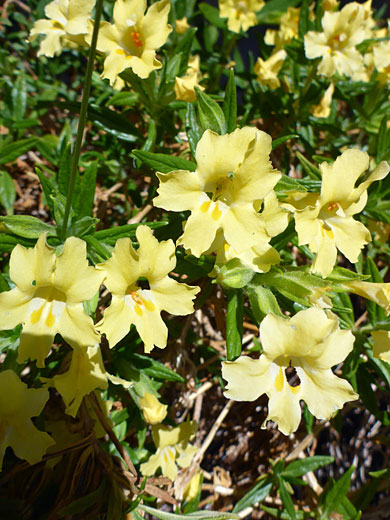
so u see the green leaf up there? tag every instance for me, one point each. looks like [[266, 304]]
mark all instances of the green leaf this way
[[154, 368], [273, 10], [184, 47], [193, 129], [280, 140], [107, 119], [304, 20], [256, 495], [234, 274], [312, 171], [382, 473], [375, 312], [27, 226], [286, 184], [10, 152], [229, 106], [47, 187], [262, 301], [164, 163], [212, 15], [111, 235], [19, 98], [303, 466], [286, 498], [210, 113], [336, 493], [234, 324], [7, 192], [199, 515], [383, 141], [87, 190]]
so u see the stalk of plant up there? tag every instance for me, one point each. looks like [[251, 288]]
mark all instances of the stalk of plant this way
[[83, 115]]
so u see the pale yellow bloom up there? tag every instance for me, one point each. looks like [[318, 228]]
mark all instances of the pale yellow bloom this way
[[312, 343], [262, 256], [154, 411], [267, 70], [131, 41], [182, 25], [17, 405], [192, 488], [323, 109], [173, 449], [324, 221], [233, 173], [288, 29], [142, 307], [381, 348], [381, 60], [48, 297], [336, 45], [241, 14], [378, 293], [185, 86], [86, 374], [67, 25]]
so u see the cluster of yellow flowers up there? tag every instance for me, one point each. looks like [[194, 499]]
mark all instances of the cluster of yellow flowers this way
[[233, 179], [234, 213], [48, 299]]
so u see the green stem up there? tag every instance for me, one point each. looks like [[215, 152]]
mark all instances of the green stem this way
[[83, 115]]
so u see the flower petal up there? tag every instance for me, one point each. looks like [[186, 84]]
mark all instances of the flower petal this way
[[324, 392], [174, 297], [78, 280], [178, 191], [156, 259], [247, 378]]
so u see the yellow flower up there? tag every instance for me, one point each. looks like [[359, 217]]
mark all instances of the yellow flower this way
[[336, 45], [382, 344], [173, 449], [233, 173], [67, 25], [86, 374], [185, 86], [267, 70], [324, 221], [48, 297], [381, 60], [182, 25], [261, 256], [323, 109], [311, 342], [192, 488], [288, 29], [241, 14], [17, 405], [142, 307], [131, 41], [154, 411], [378, 293]]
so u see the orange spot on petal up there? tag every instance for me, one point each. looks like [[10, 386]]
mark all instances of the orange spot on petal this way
[[136, 38], [50, 319]]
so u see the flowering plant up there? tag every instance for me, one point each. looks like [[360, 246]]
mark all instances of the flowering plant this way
[[194, 286]]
